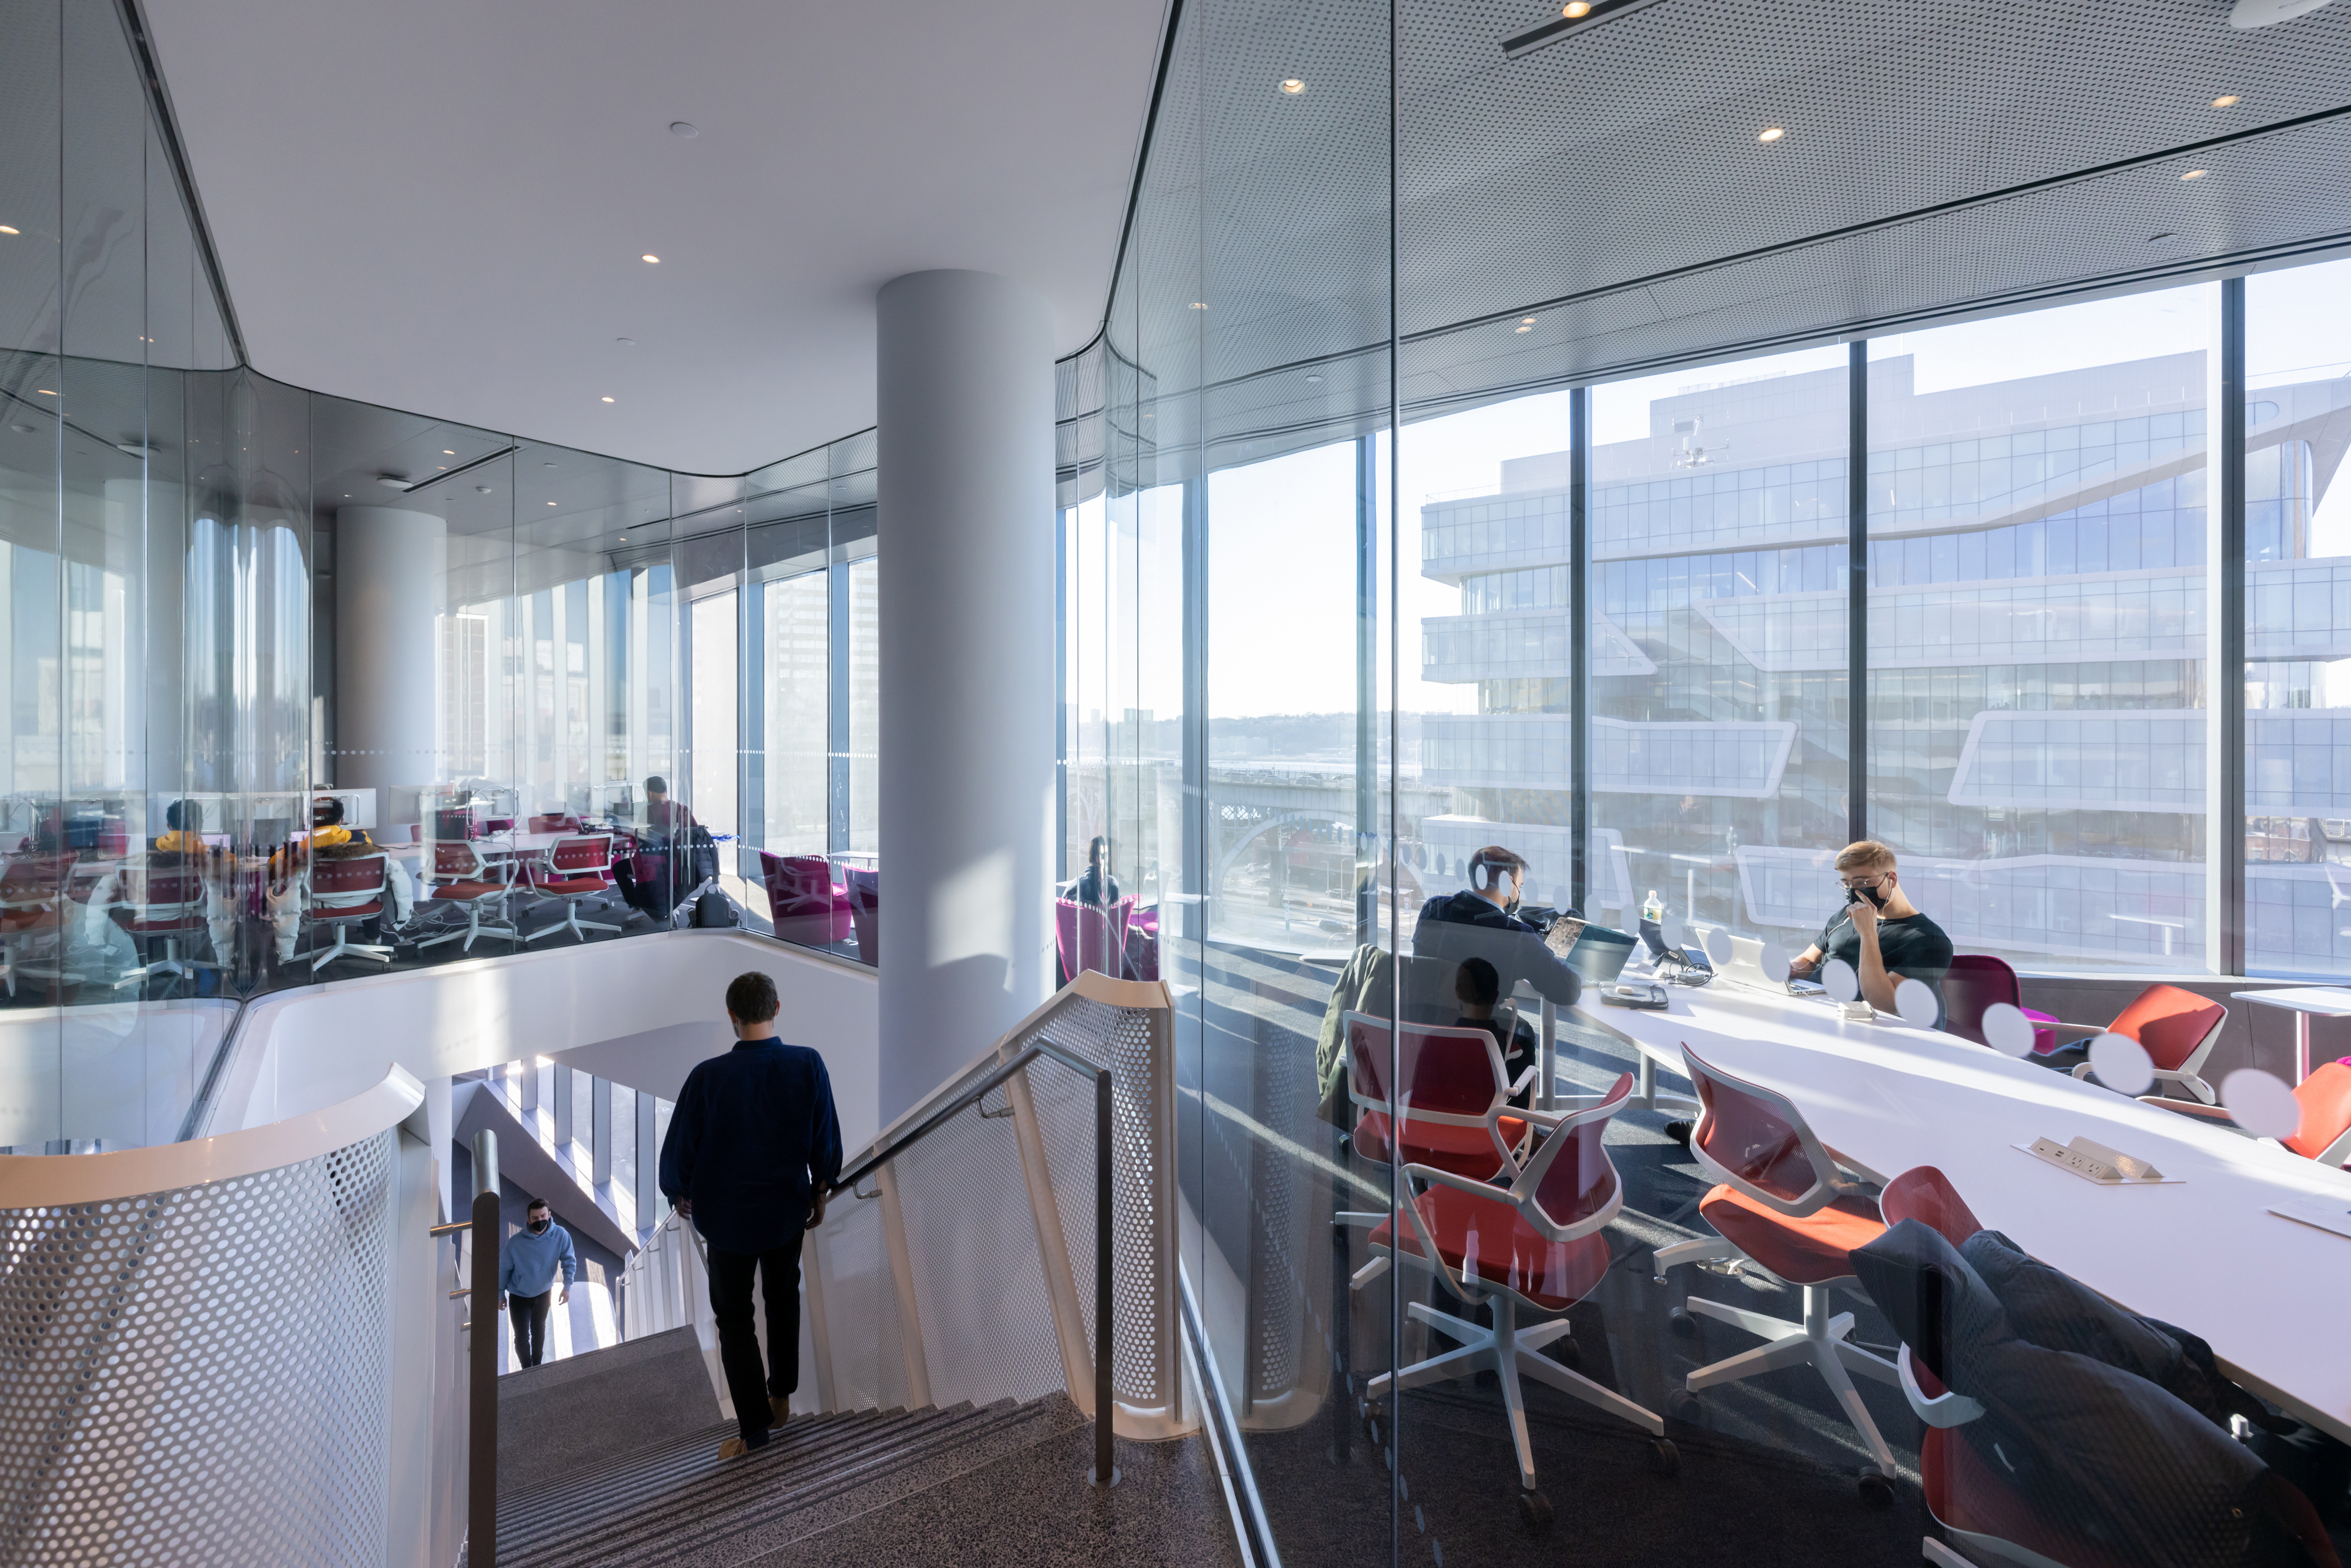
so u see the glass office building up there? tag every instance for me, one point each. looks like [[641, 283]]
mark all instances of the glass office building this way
[[1614, 458]]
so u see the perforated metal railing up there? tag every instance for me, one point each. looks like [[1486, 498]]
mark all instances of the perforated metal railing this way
[[965, 1268]]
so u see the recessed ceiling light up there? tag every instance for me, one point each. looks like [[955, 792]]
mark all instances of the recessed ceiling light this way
[[1574, 8], [1772, 134], [649, 256], [22, 429], [2195, 174], [445, 452], [547, 466], [1292, 85], [1199, 305], [2168, 234], [685, 128], [2226, 100], [1311, 381], [481, 489], [1522, 326], [44, 391], [626, 342], [608, 400], [5, 229], [550, 503]]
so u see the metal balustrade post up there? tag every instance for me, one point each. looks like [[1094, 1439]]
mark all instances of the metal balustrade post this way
[[599, 1123], [482, 1383], [528, 1096], [1105, 1472]]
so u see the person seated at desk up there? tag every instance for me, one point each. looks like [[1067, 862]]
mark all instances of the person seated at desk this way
[[661, 814], [1481, 922], [1097, 886], [327, 830], [1879, 932], [1479, 990], [185, 819]]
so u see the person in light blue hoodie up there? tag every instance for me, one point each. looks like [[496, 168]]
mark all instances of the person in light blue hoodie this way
[[532, 1256]]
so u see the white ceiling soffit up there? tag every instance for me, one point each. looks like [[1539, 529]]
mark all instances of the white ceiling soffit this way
[[441, 206]]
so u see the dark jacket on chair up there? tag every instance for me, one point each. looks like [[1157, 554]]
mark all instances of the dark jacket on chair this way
[[754, 1131]]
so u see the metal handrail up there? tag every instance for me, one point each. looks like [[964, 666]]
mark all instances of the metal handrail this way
[[1104, 1472]]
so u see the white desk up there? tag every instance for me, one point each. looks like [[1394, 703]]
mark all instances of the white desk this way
[[2305, 1002], [2206, 1254]]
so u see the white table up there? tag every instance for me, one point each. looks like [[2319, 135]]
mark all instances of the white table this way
[[2206, 1254], [2305, 1002]]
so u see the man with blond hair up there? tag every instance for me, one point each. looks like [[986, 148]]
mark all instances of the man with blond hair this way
[[1880, 931]]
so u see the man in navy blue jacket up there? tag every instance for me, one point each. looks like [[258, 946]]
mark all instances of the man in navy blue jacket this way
[[753, 1150]]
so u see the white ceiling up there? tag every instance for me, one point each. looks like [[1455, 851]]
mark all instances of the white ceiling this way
[[440, 204]]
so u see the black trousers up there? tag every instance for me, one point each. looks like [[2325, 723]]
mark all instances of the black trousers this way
[[530, 1313], [749, 1383]]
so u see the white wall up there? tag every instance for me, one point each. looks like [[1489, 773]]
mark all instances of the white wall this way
[[640, 1011]]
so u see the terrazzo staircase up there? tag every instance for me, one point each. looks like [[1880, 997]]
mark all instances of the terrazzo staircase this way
[[675, 1502]]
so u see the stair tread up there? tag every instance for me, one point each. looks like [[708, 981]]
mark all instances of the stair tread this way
[[670, 1500]]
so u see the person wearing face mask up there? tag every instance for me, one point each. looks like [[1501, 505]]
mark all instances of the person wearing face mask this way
[[1879, 932], [531, 1258], [1481, 921]]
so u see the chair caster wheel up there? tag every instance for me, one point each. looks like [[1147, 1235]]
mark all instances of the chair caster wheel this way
[[1569, 1354], [1534, 1512], [1681, 1404], [1876, 1490], [1683, 1325], [1663, 1458]]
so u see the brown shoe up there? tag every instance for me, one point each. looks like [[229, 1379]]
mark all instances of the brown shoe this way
[[779, 1410], [733, 1448]]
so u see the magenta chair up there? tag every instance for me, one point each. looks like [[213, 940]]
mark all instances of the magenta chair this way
[[1975, 982], [806, 905], [1092, 936], [865, 912]]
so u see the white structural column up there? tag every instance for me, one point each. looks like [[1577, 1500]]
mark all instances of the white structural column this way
[[389, 566], [965, 406]]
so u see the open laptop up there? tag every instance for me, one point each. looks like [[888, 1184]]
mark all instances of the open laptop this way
[[1594, 952]]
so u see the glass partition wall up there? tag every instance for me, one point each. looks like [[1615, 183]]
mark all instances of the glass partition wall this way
[[1430, 491]]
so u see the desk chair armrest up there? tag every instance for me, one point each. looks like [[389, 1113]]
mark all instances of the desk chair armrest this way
[[1469, 1185], [1523, 1080], [2335, 1155], [2065, 1031], [1945, 1411], [1870, 1183]]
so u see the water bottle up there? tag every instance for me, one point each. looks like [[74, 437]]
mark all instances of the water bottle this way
[[1655, 909]]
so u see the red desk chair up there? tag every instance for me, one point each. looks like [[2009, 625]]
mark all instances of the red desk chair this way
[[1093, 936], [2178, 1029], [1535, 1244], [162, 904], [1978, 980], [574, 869], [1784, 1204], [34, 909], [804, 904], [463, 874], [1453, 1095], [2325, 1096], [341, 893]]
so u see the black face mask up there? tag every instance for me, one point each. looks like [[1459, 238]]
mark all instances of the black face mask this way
[[539, 1227], [1871, 893]]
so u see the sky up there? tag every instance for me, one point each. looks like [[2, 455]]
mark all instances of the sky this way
[[1281, 553]]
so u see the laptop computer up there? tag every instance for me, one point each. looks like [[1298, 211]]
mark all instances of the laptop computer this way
[[1595, 952]]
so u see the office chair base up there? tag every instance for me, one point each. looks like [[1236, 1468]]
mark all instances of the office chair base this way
[[473, 928], [171, 964], [1820, 1342], [1509, 1352], [574, 924], [342, 949]]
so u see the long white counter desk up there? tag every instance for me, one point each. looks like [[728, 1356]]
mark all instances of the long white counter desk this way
[[2206, 1254]]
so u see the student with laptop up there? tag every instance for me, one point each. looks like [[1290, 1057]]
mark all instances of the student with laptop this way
[[1481, 921], [1478, 991]]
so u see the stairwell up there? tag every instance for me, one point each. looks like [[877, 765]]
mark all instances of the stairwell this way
[[611, 1458]]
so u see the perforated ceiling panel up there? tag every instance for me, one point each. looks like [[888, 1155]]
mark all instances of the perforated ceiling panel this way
[[1936, 158]]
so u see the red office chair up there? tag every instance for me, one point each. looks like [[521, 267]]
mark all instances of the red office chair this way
[[33, 913], [1536, 1244], [865, 911], [803, 901], [555, 822], [341, 893], [1784, 1204], [1093, 937], [1978, 980], [463, 874], [1926, 1195], [164, 902], [2324, 1097], [574, 869], [2178, 1029], [1453, 1093]]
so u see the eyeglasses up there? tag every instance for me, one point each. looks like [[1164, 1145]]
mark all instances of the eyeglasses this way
[[1862, 882]]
